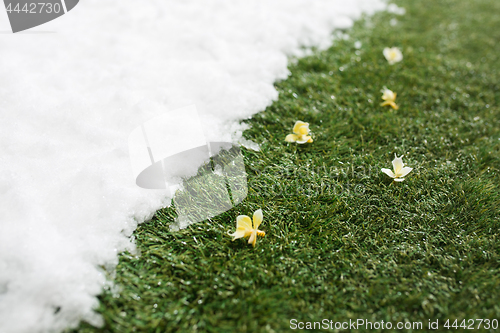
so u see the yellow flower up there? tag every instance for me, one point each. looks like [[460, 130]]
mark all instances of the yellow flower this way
[[301, 130], [399, 169], [244, 227], [393, 55], [389, 97]]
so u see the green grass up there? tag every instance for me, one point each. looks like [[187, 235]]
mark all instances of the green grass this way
[[344, 242]]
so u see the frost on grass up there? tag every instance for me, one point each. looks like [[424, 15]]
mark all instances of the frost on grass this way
[[70, 99]]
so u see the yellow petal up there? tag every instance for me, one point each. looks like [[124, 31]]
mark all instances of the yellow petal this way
[[388, 95], [297, 125], [291, 138], [389, 173], [404, 171], [303, 130], [257, 218], [393, 55], [253, 238], [304, 139], [237, 234], [398, 164], [391, 103], [243, 227], [387, 53]]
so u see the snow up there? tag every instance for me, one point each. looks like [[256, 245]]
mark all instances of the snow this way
[[71, 92]]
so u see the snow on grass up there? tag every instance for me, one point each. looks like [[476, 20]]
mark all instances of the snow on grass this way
[[71, 92]]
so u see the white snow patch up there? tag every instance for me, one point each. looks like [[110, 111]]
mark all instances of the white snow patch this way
[[71, 92]]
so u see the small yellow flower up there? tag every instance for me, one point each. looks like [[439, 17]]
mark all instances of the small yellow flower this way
[[389, 97], [393, 55], [244, 227], [301, 130], [399, 169]]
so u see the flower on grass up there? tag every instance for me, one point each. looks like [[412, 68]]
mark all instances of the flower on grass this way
[[244, 227], [389, 97], [301, 130], [399, 169], [393, 55]]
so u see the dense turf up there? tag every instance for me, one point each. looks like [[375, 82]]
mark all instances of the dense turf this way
[[343, 241]]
